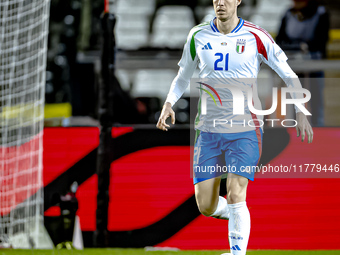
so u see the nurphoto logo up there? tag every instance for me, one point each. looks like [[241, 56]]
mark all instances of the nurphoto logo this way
[[238, 99]]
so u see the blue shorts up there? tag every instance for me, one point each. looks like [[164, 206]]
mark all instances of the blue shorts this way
[[217, 154]]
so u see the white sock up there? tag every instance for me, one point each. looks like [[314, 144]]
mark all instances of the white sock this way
[[222, 210], [239, 228]]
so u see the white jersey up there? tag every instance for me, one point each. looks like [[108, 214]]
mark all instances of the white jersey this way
[[228, 58]]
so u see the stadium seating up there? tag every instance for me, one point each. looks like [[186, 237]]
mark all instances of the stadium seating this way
[[132, 31], [268, 14], [152, 83], [146, 7], [132, 28], [171, 26], [209, 14], [132, 39], [125, 78]]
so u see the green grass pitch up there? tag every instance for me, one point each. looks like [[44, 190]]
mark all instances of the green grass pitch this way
[[143, 252]]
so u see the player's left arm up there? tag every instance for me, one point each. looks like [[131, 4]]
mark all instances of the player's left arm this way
[[292, 81], [303, 127], [277, 60]]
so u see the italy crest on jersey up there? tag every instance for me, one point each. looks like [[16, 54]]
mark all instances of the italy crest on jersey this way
[[240, 46]]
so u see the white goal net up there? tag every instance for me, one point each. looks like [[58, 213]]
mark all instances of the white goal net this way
[[23, 47]]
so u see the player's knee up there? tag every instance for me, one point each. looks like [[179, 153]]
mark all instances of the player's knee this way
[[205, 208], [235, 197]]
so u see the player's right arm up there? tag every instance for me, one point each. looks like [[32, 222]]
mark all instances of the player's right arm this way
[[187, 64], [166, 113]]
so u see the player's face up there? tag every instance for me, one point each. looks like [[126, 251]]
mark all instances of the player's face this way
[[225, 9]]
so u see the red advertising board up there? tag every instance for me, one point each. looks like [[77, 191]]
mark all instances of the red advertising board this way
[[149, 184]]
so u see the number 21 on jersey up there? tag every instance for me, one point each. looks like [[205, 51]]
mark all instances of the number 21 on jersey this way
[[220, 67]]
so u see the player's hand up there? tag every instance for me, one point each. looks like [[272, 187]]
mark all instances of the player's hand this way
[[303, 127], [166, 113]]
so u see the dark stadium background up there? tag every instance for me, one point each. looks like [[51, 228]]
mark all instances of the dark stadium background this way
[[144, 195]]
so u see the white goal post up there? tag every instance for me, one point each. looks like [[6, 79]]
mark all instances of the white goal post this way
[[23, 49]]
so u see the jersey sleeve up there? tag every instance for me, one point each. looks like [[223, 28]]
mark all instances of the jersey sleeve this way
[[275, 57], [188, 65]]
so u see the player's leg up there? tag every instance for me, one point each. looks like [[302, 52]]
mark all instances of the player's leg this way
[[207, 193], [241, 154], [239, 219], [236, 188], [209, 202], [208, 158]]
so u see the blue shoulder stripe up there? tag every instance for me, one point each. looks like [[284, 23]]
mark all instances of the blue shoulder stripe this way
[[239, 26], [212, 26]]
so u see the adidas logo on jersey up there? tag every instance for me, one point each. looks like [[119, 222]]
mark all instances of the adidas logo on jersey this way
[[207, 47], [235, 248]]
